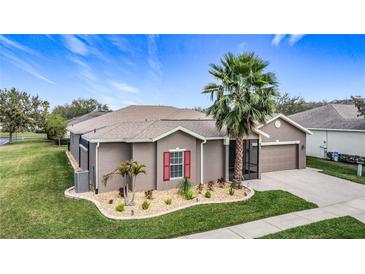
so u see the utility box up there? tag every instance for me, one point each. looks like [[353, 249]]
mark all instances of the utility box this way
[[81, 180]]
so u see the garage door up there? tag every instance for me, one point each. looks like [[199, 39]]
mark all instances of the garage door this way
[[279, 157]]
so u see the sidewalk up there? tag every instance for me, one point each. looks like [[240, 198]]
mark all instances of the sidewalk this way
[[259, 228]]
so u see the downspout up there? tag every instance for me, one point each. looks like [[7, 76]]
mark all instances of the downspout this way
[[97, 168], [202, 161]]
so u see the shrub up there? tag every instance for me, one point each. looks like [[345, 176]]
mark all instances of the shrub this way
[[185, 185], [168, 201], [189, 195], [145, 205], [199, 188], [120, 208], [208, 194], [211, 185], [221, 182], [231, 191], [148, 194]]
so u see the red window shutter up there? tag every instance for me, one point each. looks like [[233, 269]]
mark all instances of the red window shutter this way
[[187, 163], [166, 166]]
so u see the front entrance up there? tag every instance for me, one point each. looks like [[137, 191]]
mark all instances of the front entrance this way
[[250, 165]]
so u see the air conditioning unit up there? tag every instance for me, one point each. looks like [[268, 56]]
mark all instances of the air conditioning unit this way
[[81, 180]]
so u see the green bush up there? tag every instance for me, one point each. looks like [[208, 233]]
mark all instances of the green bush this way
[[208, 194], [119, 208], [231, 191], [189, 195], [168, 201], [145, 205], [185, 185]]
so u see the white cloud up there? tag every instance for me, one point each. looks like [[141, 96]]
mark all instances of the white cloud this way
[[293, 38], [75, 45], [277, 39], [124, 87], [12, 44], [153, 60], [25, 66], [78, 62], [120, 42]]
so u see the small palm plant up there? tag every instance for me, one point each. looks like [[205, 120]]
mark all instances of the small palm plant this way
[[135, 169], [130, 169]]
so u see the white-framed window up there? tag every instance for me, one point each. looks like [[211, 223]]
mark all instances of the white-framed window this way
[[176, 164]]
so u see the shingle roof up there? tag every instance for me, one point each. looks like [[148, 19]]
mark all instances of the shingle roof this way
[[146, 122], [85, 117], [331, 116]]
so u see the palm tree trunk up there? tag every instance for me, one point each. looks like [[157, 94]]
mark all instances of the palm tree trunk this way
[[125, 192], [237, 175], [134, 189]]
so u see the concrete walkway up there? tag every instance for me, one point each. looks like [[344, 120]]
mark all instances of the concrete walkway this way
[[259, 228]]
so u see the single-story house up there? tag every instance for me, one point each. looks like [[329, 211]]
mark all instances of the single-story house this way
[[175, 143], [335, 127]]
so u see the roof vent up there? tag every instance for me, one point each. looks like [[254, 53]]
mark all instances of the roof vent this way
[[94, 130]]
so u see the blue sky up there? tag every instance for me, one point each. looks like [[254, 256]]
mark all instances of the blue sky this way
[[172, 69]]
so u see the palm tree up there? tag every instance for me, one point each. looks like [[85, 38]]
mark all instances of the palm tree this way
[[135, 169], [131, 169], [242, 96]]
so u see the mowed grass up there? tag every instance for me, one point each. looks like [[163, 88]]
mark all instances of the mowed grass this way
[[337, 169], [34, 175], [339, 228]]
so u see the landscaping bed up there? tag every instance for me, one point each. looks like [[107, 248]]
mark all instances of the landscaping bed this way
[[161, 202]]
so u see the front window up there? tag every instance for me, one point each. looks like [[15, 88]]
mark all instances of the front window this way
[[176, 164]]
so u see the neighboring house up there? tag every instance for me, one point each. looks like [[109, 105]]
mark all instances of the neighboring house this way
[[175, 143], [335, 127], [82, 118]]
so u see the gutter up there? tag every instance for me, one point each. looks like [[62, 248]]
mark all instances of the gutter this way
[[202, 161], [97, 168]]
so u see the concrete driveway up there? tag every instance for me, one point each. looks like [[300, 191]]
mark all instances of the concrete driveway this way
[[311, 185]]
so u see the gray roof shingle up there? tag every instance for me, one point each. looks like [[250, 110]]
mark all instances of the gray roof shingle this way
[[331, 116], [145, 122]]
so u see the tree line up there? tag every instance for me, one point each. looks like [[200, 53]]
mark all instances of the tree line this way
[[21, 111]]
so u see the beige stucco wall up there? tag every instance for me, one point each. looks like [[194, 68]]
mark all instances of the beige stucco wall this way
[[145, 153], [110, 156], [214, 157], [74, 145], [176, 140], [83, 158], [346, 142], [286, 132]]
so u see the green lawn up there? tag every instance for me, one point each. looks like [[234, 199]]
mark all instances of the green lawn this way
[[34, 175], [22, 134], [338, 228], [337, 169]]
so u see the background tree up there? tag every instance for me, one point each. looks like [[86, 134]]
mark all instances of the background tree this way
[[79, 107], [19, 111], [359, 102], [56, 127], [242, 96]]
